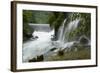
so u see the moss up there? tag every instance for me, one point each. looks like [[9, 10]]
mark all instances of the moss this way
[[81, 53]]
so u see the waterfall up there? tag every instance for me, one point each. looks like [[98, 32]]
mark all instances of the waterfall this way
[[65, 30], [61, 31], [63, 34], [43, 44]]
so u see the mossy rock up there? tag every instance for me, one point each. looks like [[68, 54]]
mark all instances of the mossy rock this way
[[60, 52]]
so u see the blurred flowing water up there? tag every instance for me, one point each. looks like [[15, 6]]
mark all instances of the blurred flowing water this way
[[43, 43], [38, 46]]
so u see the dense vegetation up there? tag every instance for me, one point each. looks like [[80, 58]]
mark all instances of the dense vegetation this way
[[55, 19], [84, 26]]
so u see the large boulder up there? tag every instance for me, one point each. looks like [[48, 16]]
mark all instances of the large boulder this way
[[61, 52], [53, 49], [33, 60], [38, 59], [83, 40]]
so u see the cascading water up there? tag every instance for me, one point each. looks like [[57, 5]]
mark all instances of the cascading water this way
[[61, 31], [65, 30], [37, 46], [43, 43], [64, 34]]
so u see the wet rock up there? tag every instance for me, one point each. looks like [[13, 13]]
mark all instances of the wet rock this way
[[29, 35], [33, 60], [60, 52], [40, 58], [84, 40], [53, 38], [53, 49], [35, 37]]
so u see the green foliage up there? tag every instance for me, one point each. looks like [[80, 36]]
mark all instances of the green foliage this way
[[27, 17], [84, 25], [57, 22], [42, 17], [55, 19]]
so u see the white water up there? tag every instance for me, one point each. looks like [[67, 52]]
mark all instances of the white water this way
[[65, 30], [61, 31], [37, 47], [43, 43]]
